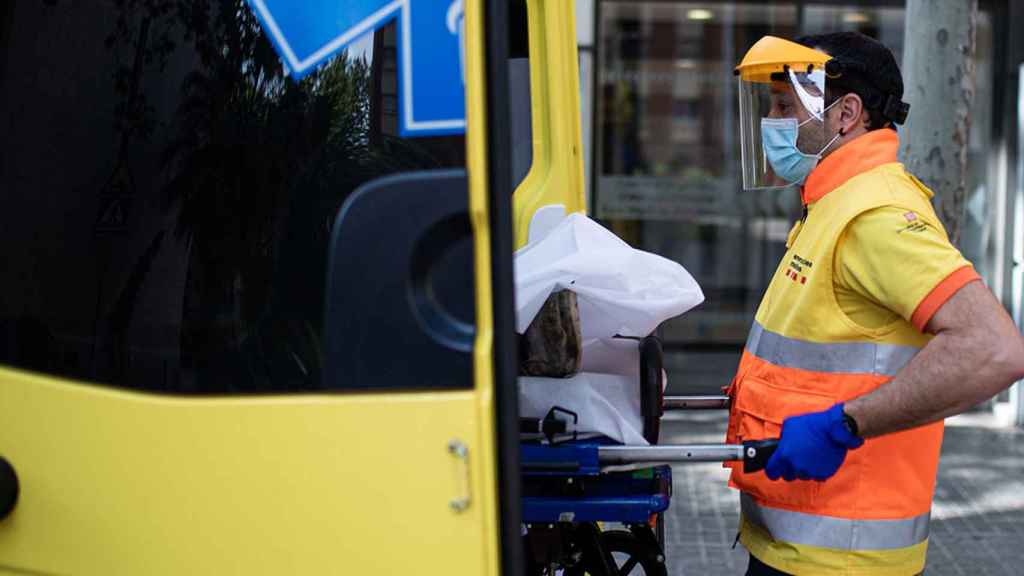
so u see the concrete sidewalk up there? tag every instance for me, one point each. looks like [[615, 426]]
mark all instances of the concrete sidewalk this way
[[977, 524]]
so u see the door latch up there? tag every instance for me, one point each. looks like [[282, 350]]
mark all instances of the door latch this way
[[461, 453]]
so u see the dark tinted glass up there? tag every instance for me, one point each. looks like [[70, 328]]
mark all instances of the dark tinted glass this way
[[168, 192]]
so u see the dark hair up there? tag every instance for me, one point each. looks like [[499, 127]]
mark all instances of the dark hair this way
[[863, 66]]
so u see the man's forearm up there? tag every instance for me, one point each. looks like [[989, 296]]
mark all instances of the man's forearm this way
[[944, 379], [958, 369]]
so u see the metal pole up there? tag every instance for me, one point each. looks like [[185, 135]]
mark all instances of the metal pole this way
[[1016, 208], [695, 402], [668, 453]]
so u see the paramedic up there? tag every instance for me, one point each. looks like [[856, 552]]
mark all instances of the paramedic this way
[[873, 329]]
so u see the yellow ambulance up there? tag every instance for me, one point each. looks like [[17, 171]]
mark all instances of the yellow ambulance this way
[[253, 320]]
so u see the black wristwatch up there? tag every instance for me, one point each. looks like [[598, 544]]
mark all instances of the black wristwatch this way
[[851, 424]]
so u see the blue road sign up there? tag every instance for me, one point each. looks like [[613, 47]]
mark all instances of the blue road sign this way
[[306, 33]]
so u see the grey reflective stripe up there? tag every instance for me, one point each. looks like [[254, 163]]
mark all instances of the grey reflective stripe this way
[[831, 532], [843, 357]]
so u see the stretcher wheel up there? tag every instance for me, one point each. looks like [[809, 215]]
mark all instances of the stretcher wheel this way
[[631, 554], [652, 389]]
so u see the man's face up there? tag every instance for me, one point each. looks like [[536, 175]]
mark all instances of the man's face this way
[[785, 103]]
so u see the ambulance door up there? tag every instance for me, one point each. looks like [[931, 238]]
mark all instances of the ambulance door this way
[[554, 184], [250, 325]]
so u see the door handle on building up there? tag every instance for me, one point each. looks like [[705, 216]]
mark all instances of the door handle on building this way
[[461, 453]]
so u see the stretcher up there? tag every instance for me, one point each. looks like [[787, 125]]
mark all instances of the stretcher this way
[[593, 506]]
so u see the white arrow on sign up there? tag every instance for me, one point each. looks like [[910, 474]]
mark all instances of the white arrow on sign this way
[[307, 32]]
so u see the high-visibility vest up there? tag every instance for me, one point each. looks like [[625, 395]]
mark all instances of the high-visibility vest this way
[[803, 355]]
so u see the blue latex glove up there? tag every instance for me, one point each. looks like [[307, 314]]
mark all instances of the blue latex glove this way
[[812, 446]]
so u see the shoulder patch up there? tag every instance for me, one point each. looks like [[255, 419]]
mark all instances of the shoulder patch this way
[[914, 224]]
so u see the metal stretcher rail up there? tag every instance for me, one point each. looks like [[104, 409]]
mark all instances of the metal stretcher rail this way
[[670, 453], [695, 402], [754, 454], [590, 457]]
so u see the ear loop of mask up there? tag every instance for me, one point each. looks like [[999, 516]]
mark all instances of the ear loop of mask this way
[[833, 140]]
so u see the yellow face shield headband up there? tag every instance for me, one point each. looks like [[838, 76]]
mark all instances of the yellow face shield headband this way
[[772, 55]]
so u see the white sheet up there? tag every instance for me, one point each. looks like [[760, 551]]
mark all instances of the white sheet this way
[[621, 291], [605, 394]]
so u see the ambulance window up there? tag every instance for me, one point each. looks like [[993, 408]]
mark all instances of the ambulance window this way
[[519, 86], [168, 192]]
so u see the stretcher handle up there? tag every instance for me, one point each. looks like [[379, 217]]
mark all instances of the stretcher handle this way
[[551, 424], [753, 453], [541, 426], [695, 403], [756, 454]]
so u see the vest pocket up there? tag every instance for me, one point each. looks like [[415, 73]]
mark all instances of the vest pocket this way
[[761, 407]]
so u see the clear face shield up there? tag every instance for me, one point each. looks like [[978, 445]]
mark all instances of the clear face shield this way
[[782, 125]]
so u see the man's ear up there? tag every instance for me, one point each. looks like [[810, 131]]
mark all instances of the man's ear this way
[[852, 114]]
